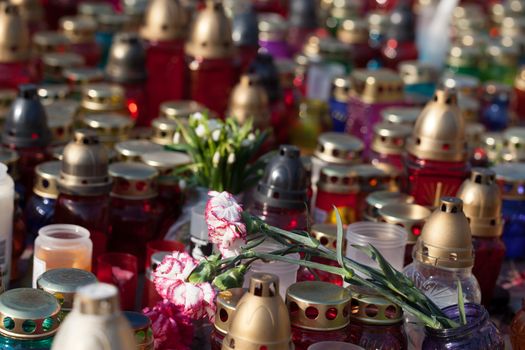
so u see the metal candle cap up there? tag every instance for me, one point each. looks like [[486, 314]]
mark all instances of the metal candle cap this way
[[226, 305], [80, 77], [132, 180], [409, 216], [283, 184], [401, 23], [164, 20], [339, 148], [97, 299], [303, 14], [439, 133], [446, 239], [111, 127], [211, 34], [93, 9], [371, 308], [469, 108], [340, 89], [511, 179], [45, 42], [141, 325], [46, 180], [249, 100], [63, 284], [353, 31], [463, 84], [390, 138], [14, 41], [261, 318], [26, 122], [50, 93], [319, 306], [85, 166], [56, 62], [165, 131], [272, 26], [103, 97], [401, 115], [264, 67], [132, 150], [165, 161], [482, 203], [127, 59], [514, 141], [378, 199], [114, 23], [79, 29], [376, 86], [245, 31], [326, 234], [29, 313], [416, 72], [181, 109]]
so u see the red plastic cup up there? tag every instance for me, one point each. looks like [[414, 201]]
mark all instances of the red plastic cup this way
[[120, 269], [153, 247]]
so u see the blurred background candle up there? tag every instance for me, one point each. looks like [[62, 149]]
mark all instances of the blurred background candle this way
[[120, 269], [7, 201]]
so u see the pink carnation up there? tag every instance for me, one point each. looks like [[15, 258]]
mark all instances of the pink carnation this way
[[170, 277], [224, 220], [172, 329]]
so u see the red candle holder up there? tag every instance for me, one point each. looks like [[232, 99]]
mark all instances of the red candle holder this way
[[120, 269]]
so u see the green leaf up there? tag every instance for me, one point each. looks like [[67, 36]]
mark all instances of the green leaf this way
[[461, 304]]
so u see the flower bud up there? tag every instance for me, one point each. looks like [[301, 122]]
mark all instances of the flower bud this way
[[216, 134], [231, 158], [216, 158], [233, 278]]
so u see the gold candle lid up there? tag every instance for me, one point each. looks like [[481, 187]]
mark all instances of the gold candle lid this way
[[85, 166], [338, 179], [377, 86], [401, 115], [164, 131], [371, 308], [446, 239], [226, 304], [211, 33], [133, 180], [514, 142], [474, 134], [439, 133], [48, 41], [326, 234], [28, 314], [14, 41], [111, 127], [61, 126], [390, 138], [164, 20], [272, 27], [78, 29], [482, 203], [63, 284], [103, 97], [46, 181], [378, 199], [469, 108], [511, 180], [51, 93], [56, 62], [371, 178], [10, 158], [93, 9], [339, 148], [181, 109], [353, 31], [319, 306], [416, 72], [461, 56], [261, 318], [340, 89], [249, 100], [132, 150], [465, 85], [409, 216], [114, 22], [165, 161], [81, 76]]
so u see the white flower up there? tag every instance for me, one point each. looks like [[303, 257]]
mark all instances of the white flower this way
[[197, 116], [214, 124], [251, 136], [216, 134], [176, 137], [231, 158], [200, 130], [216, 158]]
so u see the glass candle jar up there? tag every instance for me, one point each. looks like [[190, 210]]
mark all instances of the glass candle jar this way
[[61, 246], [479, 333], [226, 304], [291, 97], [511, 180], [62, 283], [40, 208], [141, 325], [411, 217], [135, 212], [375, 323], [273, 30], [372, 91], [338, 103], [354, 32], [81, 33], [32, 317], [496, 114], [318, 311]]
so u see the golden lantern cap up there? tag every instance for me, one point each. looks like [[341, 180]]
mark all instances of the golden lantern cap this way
[[272, 26], [164, 131], [181, 109], [261, 318], [133, 180], [469, 108], [340, 89], [226, 305], [416, 72], [46, 179], [482, 203], [494, 89], [514, 142], [211, 34], [369, 307], [465, 85], [338, 179], [56, 62], [14, 34], [339, 148], [377, 86], [318, 306], [103, 97], [390, 138], [164, 20], [511, 180], [249, 100], [409, 216], [353, 31], [401, 115], [78, 29], [51, 93], [474, 134], [446, 239], [326, 234], [132, 150], [439, 132], [378, 199], [165, 161], [110, 127]]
